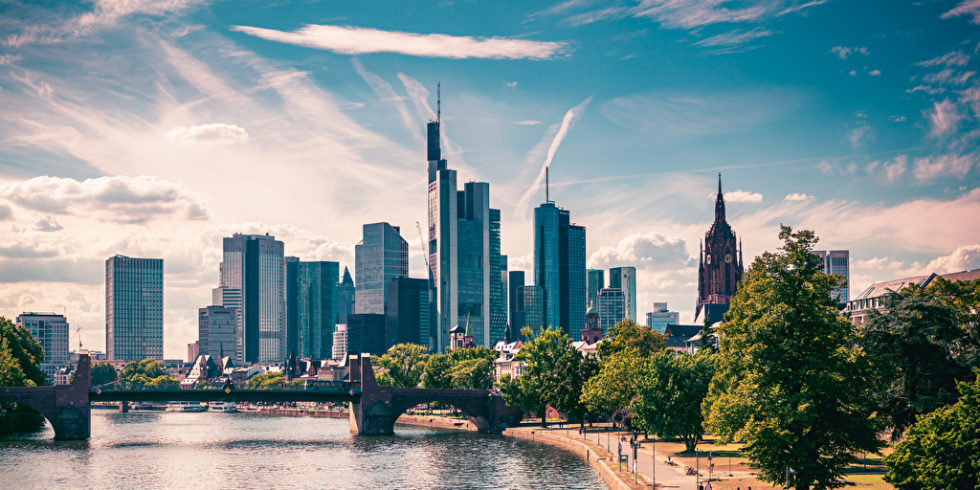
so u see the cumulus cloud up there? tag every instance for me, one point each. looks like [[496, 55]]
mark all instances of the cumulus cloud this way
[[360, 40], [216, 133], [966, 257], [929, 168], [119, 199], [738, 196], [843, 52], [966, 7], [874, 73], [5, 212], [798, 196], [642, 251], [48, 224], [511, 84], [895, 168], [878, 263]]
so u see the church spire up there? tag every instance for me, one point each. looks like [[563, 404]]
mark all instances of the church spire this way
[[719, 203]]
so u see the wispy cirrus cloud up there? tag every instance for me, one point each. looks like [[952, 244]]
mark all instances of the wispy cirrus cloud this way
[[966, 7], [214, 133], [362, 40], [734, 38]]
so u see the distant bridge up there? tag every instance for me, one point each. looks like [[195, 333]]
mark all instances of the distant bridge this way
[[373, 408]]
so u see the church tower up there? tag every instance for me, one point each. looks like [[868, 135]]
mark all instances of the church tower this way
[[720, 267]]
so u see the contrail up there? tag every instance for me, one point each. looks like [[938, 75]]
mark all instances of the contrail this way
[[567, 121]]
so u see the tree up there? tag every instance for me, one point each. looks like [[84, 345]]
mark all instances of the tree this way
[[795, 386], [627, 334], [151, 368], [942, 449], [402, 365], [964, 299], [615, 384], [474, 374], [670, 390], [437, 372], [913, 348], [102, 373], [553, 373], [20, 365], [267, 381]]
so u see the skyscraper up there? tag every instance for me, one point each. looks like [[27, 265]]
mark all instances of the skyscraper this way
[[133, 308], [255, 266], [559, 268], [515, 303], [407, 312], [597, 281], [292, 307], [837, 263], [366, 333], [660, 317], [51, 331], [625, 278], [532, 304], [612, 308], [217, 329], [464, 252], [316, 310], [381, 256], [345, 297], [720, 267]]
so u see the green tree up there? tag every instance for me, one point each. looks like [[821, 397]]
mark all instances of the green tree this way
[[151, 368], [478, 352], [162, 383], [20, 365], [627, 334], [437, 372], [553, 372], [913, 347], [267, 381], [615, 384], [402, 366], [796, 387], [964, 299], [474, 374], [942, 449], [670, 390], [102, 373]]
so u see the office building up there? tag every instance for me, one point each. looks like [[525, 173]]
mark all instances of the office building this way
[[559, 268], [597, 281], [313, 293], [498, 283], [660, 317], [625, 278], [292, 308], [51, 331], [531, 304], [340, 342], [193, 349], [515, 304], [407, 314], [464, 252], [217, 331], [612, 308], [720, 265], [253, 268], [837, 263], [345, 297], [134, 308], [366, 333], [380, 256]]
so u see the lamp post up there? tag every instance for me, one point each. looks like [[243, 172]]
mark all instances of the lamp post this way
[[653, 461]]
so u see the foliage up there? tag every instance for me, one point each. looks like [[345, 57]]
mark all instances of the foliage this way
[[146, 374], [437, 372], [670, 390], [150, 368], [471, 374], [554, 373], [102, 373], [913, 348], [964, 298], [628, 335], [624, 418], [460, 368], [20, 365], [615, 384], [790, 383], [942, 449], [268, 380], [402, 365]]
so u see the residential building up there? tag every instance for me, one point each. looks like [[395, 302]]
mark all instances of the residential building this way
[[625, 278], [51, 331], [217, 330], [315, 311], [464, 249], [366, 333], [660, 317], [345, 297], [612, 308], [407, 314], [597, 281], [134, 308], [720, 265], [837, 263], [873, 297], [380, 256], [340, 341], [505, 363], [559, 268], [253, 266], [678, 336]]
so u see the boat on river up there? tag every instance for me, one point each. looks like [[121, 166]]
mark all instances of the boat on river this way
[[186, 407], [224, 407]]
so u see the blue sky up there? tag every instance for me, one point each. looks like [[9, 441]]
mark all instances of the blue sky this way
[[153, 128]]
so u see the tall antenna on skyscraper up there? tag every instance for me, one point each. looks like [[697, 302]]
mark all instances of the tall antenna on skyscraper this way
[[546, 198], [438, 101]]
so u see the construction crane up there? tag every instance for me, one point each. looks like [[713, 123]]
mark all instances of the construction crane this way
[[78, 333], [425, 253]]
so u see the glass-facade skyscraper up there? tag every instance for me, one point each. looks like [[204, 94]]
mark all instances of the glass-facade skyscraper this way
[[597, 281], [837, 263], [625, 278], [255, 266], [381, 256], [316, 309], [611, 306], [515, 303], [345, 297], [133, 308], [217, 329], [407, 313], [531, 304], [51, 331], [559, 268]]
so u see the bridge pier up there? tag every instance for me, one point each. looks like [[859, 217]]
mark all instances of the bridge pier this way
[[66, 407]]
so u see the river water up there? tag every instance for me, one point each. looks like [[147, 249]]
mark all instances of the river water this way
[[228, 450]]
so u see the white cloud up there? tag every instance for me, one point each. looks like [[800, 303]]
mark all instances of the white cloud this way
[[966, 257], [528, 122], [945, 117], [843, 52], [643, 251], [511, 84], [8, 59], [858, 134], [954, 58], [48, 224], [798, 196], [897, 118], [894, 169], [928, 168], [738, 196], [733, 38], [5, 212], [966, 7], [360, 40], [874, 73], [216, 133]]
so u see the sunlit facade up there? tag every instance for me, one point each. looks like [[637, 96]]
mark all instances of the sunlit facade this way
[[134, 308]]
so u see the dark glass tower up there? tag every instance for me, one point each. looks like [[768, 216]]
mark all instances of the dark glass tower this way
[[407, 312], [559, 268], [381, 256], [255, 266]]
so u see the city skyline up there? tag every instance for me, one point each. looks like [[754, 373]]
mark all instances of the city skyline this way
[[865, 134]]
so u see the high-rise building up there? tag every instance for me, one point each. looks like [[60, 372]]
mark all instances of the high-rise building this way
[[464, 252], [345, 297], [292, 307], [217, 331], [625, 278], [133, 308], [193, 350], [532, 304], [660, 317], [381, 256], [255, 266], [340, 341], [837, 263], [498, 284], [720, 267], [51, 331], [597, 281], [515, 303], [315, 311], [612, 308], [366, 333], [407, 313], [559, 268], [232, 298]]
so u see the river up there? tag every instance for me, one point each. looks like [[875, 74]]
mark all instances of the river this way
[[228, 450]]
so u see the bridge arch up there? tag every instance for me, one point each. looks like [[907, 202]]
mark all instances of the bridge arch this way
[[65, 407]]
